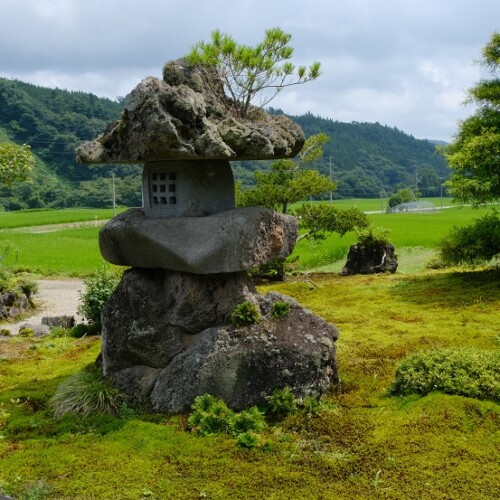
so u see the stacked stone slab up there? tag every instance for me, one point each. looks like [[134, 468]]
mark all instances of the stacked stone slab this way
[[167, 335]]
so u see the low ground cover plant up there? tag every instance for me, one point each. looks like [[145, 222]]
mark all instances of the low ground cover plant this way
[[467, 372], [361, 444], [245, 314], [280, 309], [210, 415]]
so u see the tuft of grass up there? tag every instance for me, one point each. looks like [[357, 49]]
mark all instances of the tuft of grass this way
[[86, 393], [280, 309], [245, 314]]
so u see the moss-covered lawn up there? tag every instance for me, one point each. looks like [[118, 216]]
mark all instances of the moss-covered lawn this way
[[364, 444]]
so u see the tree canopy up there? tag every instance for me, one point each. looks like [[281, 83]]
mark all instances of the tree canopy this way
[[474, 154], [288, 181], [16, 163], [251, 75], [402, 196]]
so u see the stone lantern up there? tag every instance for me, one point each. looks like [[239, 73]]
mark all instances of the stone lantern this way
[[185, 188], [167, 334]]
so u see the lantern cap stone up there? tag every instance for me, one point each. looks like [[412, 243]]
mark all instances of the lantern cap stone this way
[[177, 119]]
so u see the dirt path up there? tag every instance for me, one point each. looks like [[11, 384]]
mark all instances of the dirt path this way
[[54, 298]]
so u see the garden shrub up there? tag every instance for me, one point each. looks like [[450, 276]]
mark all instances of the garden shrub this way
[[57, 332], [210, 416], [310, 406], [280, 309], [26, 332], [81, 330], [282, 403], [98, 288], [245, 314], [248, 440], [248, 420], [5, 280], [465, 372], [373, 236], [28, 286], [86, 393], [476, 242]]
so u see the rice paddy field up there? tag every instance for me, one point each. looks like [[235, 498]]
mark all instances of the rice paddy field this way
[[65, 242]]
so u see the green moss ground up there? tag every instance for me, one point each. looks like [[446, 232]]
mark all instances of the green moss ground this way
[[364, 444]]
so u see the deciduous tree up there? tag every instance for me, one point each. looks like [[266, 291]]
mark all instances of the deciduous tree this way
[[16, 163], [289, 181], [474, 154]]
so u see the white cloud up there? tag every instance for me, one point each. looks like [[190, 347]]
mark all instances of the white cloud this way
[[404, 64]]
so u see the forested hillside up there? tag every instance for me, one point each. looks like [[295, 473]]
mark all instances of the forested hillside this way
[[53, 122], [365, 158]]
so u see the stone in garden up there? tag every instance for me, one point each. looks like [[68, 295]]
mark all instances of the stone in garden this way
[[13, 304], [65, 321], [166, 331], [153, 313], [176, 119], [229, 241], [370, 260], [38, 330], [167, 338]]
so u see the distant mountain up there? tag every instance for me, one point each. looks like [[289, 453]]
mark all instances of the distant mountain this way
[[53, 122], [366, 158], [438, 143]]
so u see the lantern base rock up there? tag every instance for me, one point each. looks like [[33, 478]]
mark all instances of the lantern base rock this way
[[167, 338]]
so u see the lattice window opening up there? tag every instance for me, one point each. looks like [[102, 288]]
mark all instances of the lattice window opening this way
[[164, 189]]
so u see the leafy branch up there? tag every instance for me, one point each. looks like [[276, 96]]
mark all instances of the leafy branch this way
[[250, 76]]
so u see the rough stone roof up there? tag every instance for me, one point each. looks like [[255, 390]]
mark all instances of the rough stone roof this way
[[176, 118]]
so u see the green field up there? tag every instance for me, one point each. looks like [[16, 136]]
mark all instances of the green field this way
[[378, 204], [27, 218], [414, 235], [70, 252], [74, 250]]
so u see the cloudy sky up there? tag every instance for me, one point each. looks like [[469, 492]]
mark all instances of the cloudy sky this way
[[402, 63]]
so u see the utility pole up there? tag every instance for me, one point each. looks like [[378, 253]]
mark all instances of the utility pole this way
[[114, 196], [330, 165]]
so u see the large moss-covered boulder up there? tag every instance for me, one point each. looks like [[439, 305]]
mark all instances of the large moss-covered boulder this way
[[176, 118], [168, 337]]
